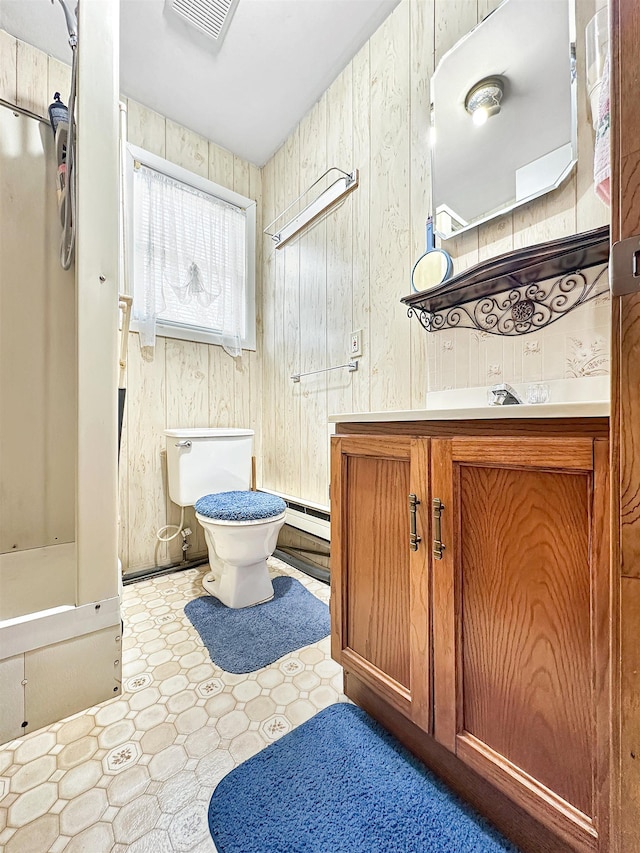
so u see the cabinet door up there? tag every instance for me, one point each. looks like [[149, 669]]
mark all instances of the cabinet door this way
[[379, 585], [521, 623]]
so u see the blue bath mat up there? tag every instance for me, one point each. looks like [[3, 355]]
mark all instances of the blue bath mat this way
[[340, 783], [247, 639]]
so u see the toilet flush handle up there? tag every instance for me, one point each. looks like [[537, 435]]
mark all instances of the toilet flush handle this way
[[183, 444]]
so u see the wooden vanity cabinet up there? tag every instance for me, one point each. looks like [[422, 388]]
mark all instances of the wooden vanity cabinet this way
[[510, 618], [379, 586]]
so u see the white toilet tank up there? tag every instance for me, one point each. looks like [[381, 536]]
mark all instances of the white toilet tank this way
[[202, 461]]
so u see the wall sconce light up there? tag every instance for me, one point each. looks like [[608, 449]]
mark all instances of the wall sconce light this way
[[483, 100]]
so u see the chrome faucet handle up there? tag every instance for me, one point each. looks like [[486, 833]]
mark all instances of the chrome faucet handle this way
[[504, 395]]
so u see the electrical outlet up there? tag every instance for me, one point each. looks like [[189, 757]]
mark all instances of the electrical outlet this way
[[355, 343]]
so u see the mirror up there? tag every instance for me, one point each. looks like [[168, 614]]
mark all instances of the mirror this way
[[503, 114], [432, 268]]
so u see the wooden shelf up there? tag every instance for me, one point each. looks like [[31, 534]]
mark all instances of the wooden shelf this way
[[516, 269], [518, 292]]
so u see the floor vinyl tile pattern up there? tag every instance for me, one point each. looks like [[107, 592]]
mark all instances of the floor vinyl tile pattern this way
[[135, 774]]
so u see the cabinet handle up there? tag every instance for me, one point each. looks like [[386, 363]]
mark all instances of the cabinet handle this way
[[414, 539], [438, 547]]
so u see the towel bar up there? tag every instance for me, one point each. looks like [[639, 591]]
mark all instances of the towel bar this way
[[351, 366]]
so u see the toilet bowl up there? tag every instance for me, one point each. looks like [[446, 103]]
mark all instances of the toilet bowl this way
[[210, 469], [241, 530]]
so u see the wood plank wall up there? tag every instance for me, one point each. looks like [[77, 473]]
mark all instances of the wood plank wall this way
[[186, 384], [350, 269]]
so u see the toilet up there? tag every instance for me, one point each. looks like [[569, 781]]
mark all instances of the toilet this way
[[210, 469]]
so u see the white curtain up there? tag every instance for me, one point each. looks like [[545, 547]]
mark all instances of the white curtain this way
[[189, 260]]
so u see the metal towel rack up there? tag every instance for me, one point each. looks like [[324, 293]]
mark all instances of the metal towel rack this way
[[351, 366], [343, 184]]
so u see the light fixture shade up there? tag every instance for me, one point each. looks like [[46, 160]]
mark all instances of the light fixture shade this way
[[483, 99]]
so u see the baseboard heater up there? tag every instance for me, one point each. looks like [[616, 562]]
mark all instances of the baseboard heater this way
[[315, 521], [308, 518]]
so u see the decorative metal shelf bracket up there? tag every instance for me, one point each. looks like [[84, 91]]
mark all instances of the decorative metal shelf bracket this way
[[521, 291], [518, 311], [351, 366], [337, 189]]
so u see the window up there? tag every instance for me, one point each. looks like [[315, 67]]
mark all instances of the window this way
[[192, 256]]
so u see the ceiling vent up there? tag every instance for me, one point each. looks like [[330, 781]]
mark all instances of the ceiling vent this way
[[211, 17]]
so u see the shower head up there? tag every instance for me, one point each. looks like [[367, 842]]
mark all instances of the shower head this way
[[72, 23]]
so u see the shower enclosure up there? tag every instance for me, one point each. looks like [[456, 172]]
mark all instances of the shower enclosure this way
[[60, 629]]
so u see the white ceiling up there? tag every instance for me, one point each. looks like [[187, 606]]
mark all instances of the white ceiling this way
[[276, 60]]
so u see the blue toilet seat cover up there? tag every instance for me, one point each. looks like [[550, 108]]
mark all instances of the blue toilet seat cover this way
[[240, 506]]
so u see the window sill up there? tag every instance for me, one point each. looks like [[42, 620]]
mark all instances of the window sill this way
[[195, 336]]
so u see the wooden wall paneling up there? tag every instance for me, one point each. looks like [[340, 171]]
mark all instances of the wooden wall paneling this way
[[241, 386], [421, 45], [453, 19], [255, 358], [546, 218], [221, 165], [226, 374], [464, 249], [58, 78], [313, 316], [31, 79], [339, 247], [146, 128], [187, 373], [123, 471], [292, 391], [485, 7], [558, 219], [241, 180], [241, 380], [269, 401], [146, 413], [8, 67], [361, 310], [281, 381], [495, 237], [221, 373], [187, 149], [390, 259]]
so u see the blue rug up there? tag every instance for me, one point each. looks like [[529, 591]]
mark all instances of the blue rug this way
[[340, 783], [247, 639]]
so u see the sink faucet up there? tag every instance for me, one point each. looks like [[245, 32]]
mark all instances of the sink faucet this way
[[503, 395]]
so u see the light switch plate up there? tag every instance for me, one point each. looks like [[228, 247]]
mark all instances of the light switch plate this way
[[355, 343]]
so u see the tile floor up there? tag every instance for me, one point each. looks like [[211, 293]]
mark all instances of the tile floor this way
[[136, 773]]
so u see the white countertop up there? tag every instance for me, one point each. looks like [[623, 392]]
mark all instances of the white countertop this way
[[591, 409], [586, 397]]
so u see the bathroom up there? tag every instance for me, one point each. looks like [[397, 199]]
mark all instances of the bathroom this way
[[345, 272]]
